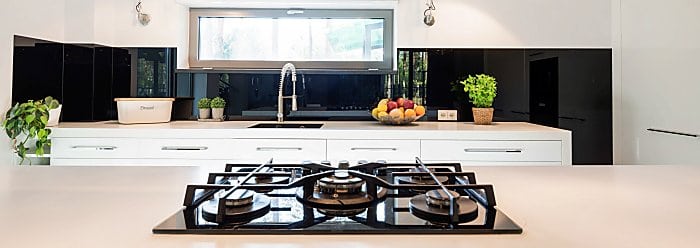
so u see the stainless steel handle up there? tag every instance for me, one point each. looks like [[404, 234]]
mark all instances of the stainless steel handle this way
[[278, 149], [98, 148], [493, 150], [184, 148], [373, 149]]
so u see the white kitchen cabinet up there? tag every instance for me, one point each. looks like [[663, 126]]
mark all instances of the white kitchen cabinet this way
[[373, 150], [140, 151], [280, 150], [215, 164], [493, 152]]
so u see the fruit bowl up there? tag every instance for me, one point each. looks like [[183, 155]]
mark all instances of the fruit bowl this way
[[388, 120], [398, 112]]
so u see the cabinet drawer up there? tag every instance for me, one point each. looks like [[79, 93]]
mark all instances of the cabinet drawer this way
[[188, 148], [280, 150], [373, 150], [491, 150], [95, 148]]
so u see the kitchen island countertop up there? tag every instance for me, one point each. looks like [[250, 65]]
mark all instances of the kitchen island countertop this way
[[580, 206], [330, 129]]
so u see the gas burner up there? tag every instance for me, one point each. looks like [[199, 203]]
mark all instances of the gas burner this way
[[340, 183], [420, 180], [434, 206], [262, 180], [242, 206], [340, 195]]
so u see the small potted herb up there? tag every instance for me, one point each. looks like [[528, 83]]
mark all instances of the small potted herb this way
[[482, 90], [217, 108], [25, 125], [204, 106]]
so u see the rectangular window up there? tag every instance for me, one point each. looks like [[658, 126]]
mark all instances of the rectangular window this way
[[311, 39]]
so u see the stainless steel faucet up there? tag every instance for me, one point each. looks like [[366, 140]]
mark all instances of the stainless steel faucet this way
[[280, 98]]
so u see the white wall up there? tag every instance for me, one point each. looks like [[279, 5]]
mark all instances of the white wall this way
[[116, 25], [521, 23], [660, 47], [35, 18]]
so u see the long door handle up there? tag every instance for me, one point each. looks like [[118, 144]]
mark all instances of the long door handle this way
[[374, 149], [98, 148], [279, 149], [495, 150], [184, 148]]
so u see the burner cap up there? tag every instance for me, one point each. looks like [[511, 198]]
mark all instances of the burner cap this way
[[239, 198], [467, 210], [340, 183], [439, 198], [421, 180], [259, 206]]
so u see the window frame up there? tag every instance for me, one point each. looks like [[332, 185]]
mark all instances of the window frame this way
[[385, 64]]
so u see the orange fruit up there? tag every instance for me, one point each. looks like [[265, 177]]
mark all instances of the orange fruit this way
[[420, 110], [381, 115], [410, 113]]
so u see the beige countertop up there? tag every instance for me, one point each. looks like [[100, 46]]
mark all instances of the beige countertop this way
[[330, 129], [591, 206]]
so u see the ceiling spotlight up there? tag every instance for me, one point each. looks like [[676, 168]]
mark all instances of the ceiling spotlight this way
[[143, 18], [428, 17]]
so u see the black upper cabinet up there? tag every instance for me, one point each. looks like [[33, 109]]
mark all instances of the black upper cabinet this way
[[37, 71], [77, 83], [85, 78]]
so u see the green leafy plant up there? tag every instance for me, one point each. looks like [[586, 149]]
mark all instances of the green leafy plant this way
[[481, 89], [25, 123], [218, 102], [51, 103], [204, 103]]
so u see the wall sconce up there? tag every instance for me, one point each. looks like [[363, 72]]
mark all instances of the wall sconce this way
[[143, 18], [428, 17]]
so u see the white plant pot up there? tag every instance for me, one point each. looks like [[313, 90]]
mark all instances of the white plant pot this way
[[54, 115], [217, 113], [205, 113]]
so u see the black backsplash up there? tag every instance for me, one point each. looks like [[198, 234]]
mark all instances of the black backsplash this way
[[319, 96]]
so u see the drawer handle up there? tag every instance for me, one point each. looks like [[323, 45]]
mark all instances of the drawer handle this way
[[373, 149], [184, 148], [279, 149], [508, 150], [98, 148]]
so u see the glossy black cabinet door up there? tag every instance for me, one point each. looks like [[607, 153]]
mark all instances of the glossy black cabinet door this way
[[544, 92], [37, 72], [77, 83]]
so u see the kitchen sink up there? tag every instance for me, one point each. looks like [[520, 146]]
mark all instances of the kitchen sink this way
[[287, 125]]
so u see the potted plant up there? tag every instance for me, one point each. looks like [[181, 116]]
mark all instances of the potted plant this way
[[217, 108], [204, 105], [25, 125], [482, 90], [54, 110]]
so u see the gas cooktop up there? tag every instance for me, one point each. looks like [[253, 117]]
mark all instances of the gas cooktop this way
[[317, 198]]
